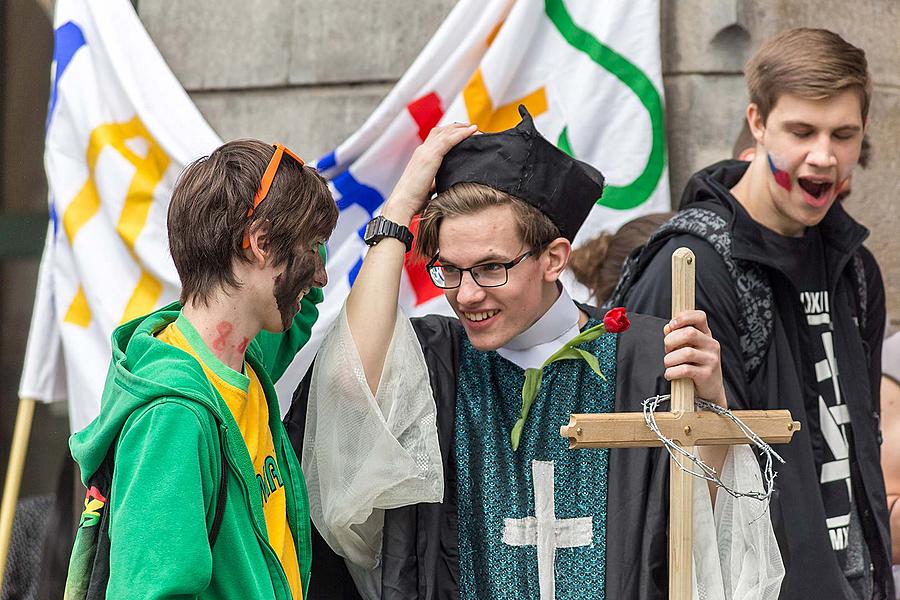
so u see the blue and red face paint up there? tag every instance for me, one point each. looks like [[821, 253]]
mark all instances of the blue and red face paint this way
[[782, 178]]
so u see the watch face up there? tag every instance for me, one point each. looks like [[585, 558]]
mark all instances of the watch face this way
[[371, 230], [380, 228]]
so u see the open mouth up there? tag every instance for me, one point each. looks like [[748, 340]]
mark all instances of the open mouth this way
[[817, 191], [478, 317]]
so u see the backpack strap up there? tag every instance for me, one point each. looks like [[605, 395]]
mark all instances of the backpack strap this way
[[709, 222], [88, 574], [223, 493], [862, 291]]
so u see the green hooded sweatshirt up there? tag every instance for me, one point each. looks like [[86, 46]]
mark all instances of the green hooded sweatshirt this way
[[163, 417]]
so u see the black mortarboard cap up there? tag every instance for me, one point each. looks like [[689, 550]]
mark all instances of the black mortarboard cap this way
[[520, 162]]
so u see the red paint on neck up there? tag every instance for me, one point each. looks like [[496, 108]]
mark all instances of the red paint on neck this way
[[224, 328]]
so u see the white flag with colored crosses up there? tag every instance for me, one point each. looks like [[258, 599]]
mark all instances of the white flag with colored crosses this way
[[120, 128], [588, 72]]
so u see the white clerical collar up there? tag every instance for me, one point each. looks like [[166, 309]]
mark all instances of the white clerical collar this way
[[536, 344]]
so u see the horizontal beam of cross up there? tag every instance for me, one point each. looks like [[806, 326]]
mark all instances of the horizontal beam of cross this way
[[702, 428]]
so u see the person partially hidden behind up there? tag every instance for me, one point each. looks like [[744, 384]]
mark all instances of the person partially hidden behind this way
[[432, 446], [189, 404], [890, 452], [597, 263]]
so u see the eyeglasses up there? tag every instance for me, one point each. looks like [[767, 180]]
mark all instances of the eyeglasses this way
[[486, 275], [266, 182]]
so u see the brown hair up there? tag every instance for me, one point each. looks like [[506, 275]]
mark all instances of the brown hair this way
[[535, 227], [597, 263], [208, 214], [810, 63]]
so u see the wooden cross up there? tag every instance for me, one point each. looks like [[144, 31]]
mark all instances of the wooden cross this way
[[687, 428]]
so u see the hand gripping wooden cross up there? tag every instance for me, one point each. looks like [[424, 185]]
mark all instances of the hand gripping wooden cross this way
[[684, 426]]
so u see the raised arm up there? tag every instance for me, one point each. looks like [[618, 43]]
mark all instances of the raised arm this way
[[372, 303]]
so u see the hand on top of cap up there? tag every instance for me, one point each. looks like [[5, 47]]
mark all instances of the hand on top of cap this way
[[417, 182]]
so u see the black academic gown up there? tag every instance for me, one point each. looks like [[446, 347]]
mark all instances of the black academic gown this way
[[419, 550]]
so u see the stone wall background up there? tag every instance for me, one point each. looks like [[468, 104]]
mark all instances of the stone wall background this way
[[309, 73], [289, 70]]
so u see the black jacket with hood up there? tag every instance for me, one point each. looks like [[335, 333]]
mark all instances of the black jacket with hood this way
[[797, 508]]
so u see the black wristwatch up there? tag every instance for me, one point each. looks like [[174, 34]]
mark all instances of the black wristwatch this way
[[380, 228]]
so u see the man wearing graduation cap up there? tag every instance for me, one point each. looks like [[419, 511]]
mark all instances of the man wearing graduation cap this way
[[431, 446]]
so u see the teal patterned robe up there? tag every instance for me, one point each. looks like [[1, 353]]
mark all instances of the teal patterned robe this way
[[496, 484]]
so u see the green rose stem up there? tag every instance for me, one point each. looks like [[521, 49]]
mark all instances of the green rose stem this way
[[533, 376]]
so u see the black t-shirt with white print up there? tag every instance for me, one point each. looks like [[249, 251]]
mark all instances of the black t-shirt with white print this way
[[802, 259]]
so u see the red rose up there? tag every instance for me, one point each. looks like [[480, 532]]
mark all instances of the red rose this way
[[616, 321]]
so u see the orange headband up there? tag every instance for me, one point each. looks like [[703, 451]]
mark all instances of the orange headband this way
[[266, 183]]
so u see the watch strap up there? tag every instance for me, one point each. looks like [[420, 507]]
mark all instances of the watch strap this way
[[380, 228]]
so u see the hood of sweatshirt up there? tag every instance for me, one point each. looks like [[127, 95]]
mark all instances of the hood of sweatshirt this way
[[134, 380]]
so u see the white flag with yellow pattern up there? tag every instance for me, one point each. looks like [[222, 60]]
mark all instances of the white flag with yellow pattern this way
[[120, 128]]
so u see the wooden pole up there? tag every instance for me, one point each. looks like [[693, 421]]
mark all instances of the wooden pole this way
[[681, 496], [14, 470]]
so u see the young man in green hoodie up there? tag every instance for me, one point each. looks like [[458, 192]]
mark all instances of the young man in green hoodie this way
[[191, 385]]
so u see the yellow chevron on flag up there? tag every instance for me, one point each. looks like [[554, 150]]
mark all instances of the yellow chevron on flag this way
[[127, 138], [144, 297], [489, 119], [81, 210], [79, 313], [149, 172]]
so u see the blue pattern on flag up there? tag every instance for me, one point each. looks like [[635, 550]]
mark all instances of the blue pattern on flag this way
[[327, 161], [361, 232], [354, 192], [67, 39], [54, 217], [354, 272]]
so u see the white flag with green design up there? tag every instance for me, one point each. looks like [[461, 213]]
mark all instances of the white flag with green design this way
[[590, 74]]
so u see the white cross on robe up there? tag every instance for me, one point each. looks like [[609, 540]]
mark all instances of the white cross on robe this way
[[545, 531]]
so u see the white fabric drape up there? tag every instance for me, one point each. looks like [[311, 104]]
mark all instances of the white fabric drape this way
[[736, 555], [364, 454]]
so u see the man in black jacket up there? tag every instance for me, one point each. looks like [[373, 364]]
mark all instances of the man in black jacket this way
[[797, 304]]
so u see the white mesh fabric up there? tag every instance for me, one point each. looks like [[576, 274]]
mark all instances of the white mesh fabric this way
[[751, 562], [707, 569], [748, 564], [363, 454]]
